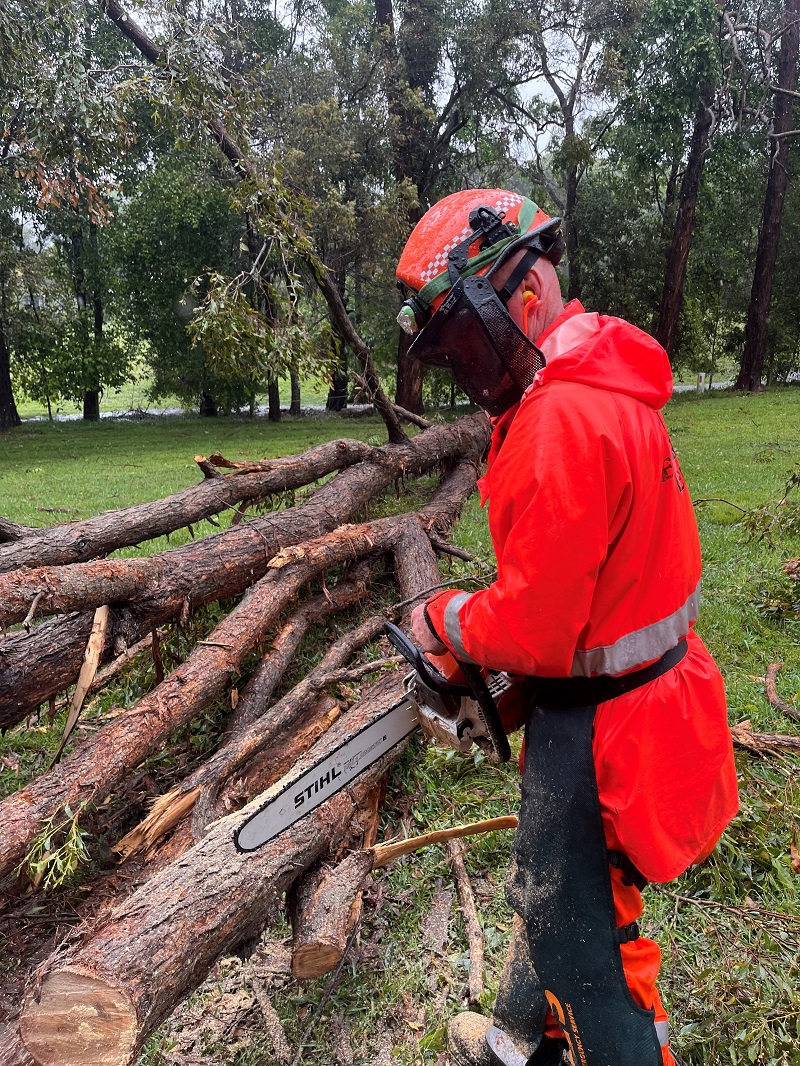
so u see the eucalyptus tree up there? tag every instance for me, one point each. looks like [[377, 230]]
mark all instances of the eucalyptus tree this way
[[63, 123]]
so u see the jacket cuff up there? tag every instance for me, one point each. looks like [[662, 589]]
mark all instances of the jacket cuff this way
[[441, 614]]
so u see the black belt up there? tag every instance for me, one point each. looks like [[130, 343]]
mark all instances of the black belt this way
[[589, 691]]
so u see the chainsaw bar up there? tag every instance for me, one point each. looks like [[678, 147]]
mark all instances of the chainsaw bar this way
[[296, 795]]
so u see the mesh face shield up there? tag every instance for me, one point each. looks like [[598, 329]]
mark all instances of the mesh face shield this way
[[474, 336], [467, 334]]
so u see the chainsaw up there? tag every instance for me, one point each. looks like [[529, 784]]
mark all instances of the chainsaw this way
[[458, 713]]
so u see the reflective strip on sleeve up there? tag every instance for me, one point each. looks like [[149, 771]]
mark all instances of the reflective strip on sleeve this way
[[662, 1032], [643, 646], [452, 626]]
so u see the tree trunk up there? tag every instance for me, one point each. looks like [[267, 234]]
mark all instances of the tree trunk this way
[[340, 383], [274, 398], [757, 324], [410, 376], [208, 405], [570, 228], [678, 257], [295, 409], [160, 584], [100, 1004], [76, 542], [44, 662], [91, 405], [9, 417]]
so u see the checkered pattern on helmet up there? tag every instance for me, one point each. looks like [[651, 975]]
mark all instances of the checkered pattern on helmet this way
[[439, 261]]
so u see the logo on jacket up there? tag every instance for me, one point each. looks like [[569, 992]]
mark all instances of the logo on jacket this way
[[671, 468]]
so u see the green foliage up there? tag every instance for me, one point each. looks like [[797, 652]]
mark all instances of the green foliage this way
[[57, 851], [778, 519]]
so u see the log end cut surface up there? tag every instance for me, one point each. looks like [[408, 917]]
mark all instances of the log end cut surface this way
[[79, 1020], [315, 960]]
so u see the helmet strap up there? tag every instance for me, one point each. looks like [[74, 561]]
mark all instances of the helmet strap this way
[[517, 275]]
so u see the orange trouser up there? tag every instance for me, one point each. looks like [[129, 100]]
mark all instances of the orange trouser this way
[[641, 958]]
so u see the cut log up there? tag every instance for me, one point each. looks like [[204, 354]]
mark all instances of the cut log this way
[[106, 758], [324, 912], [98, 1005], [76, 542], [36, 666], [159, 585], [325, 903]]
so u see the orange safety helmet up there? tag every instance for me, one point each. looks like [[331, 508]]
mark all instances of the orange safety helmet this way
[[455, 315]]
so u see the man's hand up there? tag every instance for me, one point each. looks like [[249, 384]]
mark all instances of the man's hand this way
[[423, 634]]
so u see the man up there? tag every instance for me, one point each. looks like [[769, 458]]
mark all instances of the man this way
[[628, 769]]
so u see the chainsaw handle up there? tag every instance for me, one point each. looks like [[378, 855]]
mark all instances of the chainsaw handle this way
[[422, 664]]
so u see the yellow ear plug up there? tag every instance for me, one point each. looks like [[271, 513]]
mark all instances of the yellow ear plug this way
[[529, 297]]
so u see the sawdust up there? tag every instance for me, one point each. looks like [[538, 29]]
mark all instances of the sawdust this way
[[233, 1007], [436, 922], [341, 1045]]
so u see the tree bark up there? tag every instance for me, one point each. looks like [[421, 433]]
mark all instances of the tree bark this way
[[757, 324], [159, 585], [100, 1004], [324, 910], [105, 759], [274, 397], [410, 378], [678, 257], [9, 417], [295, 409], [76, 542], [37, 665]]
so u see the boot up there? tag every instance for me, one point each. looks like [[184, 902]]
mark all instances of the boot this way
[[474, 1040]]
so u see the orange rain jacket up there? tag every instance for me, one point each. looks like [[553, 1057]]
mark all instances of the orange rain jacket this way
[[598, 560]]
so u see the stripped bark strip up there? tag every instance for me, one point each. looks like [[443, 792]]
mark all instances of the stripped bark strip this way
[[469, 915], [91, 659], [383, 854], [159, 942], [78, 541]]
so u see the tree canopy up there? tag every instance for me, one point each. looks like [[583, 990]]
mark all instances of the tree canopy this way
[[131, 248]]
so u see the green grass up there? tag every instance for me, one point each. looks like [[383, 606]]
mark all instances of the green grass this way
[[83, 468], [135, 395], [730, 930]]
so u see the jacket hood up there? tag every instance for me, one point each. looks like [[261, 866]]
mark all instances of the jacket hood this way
[[607, 353]]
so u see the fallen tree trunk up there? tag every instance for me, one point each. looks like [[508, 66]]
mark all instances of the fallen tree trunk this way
[[35, 666], [78, 541], [106, 758], [97, 1006], [271, 728], [256, 694]]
